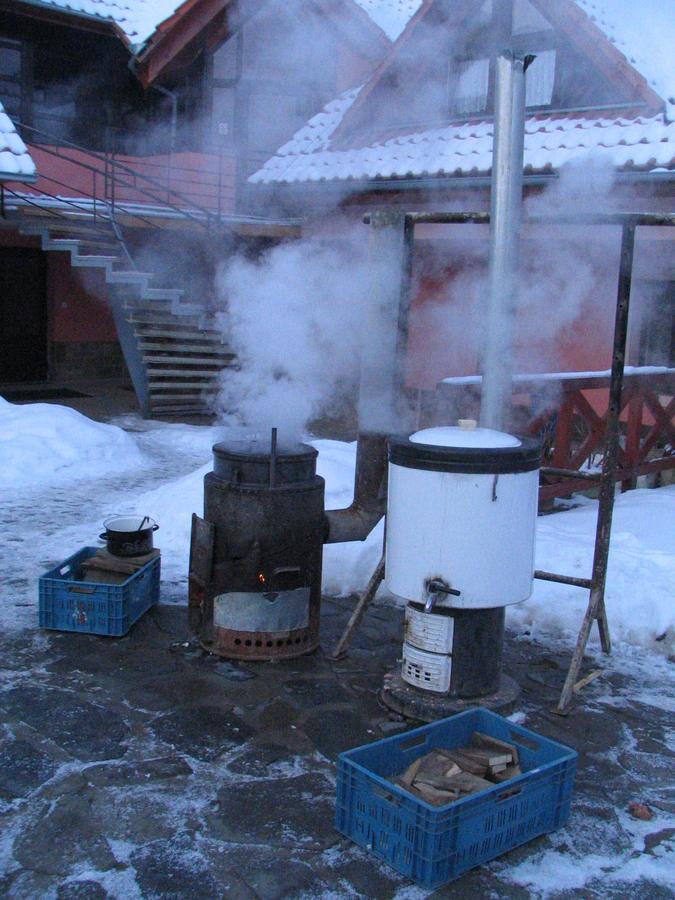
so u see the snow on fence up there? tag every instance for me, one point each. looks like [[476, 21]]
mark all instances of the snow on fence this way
[[568, 410]]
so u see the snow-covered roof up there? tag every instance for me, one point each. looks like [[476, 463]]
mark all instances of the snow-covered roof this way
[[16, 163], [644, 33], [392, 16], [466, 148], [646, 142], [138, 19]]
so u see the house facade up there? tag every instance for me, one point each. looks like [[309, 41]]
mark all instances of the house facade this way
[[417, 135], [144, 120]]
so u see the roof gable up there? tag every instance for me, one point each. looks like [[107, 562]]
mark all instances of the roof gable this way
[[210, 20], [644, 34], [441, 31]]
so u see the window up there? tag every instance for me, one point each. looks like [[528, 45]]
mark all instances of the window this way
[[12, 88], [469, 86], [540, 78]]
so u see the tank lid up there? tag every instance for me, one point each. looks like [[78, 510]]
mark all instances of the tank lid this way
[[247, 462], [261, 450], [465, 436], [483, 451]]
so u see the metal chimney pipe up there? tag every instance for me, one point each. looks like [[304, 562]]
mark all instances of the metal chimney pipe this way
[[505, 218]]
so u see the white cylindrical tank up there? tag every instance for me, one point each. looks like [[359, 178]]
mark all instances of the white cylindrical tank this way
[[461, 516]]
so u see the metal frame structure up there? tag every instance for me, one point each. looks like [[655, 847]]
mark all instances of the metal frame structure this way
[[628, 222]]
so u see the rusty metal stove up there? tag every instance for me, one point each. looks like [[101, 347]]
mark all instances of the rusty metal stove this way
[[255, 566]]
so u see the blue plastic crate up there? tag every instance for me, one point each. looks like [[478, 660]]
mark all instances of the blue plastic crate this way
[[434, 844], [66, 604]]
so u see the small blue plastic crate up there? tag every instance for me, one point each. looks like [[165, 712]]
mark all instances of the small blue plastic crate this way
[[66, 604], [434, 844]]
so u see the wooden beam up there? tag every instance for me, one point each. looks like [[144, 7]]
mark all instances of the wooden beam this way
[[191, 21]]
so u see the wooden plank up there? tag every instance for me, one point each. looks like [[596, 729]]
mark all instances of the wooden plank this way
[[201, 563]]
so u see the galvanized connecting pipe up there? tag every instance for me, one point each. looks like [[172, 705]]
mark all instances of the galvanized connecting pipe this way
[[370, 493], [505, 220]]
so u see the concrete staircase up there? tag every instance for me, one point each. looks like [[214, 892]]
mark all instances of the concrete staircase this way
[[173, 353]]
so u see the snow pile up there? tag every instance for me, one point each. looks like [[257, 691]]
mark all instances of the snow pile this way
[[42, 444], [640, 576]]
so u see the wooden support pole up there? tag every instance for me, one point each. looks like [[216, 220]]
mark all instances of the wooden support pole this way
[[596, 604], [359, 611]]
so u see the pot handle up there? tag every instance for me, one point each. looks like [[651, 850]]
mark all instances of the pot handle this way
[[104, 536], [155, 527]]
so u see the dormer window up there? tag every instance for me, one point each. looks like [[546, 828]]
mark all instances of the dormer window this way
[[540, 79], [469, 87]]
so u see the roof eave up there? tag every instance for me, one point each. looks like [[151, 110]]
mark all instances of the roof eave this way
[[402, 183]]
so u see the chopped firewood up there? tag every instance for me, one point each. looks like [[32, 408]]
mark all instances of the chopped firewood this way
[[489, 758], [465, 762], [409, 775], [508, 773], [486, 741], [435, 763], [468, 783], [435, 781]]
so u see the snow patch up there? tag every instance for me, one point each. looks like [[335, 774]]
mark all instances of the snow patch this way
[[43, 444]]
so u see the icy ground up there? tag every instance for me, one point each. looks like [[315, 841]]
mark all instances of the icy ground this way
[[61, 482]]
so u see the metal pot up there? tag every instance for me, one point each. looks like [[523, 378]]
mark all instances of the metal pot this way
[[129, 535]]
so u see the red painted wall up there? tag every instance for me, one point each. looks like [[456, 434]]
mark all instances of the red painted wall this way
[[77, 303], [196, 177], [77, 308]]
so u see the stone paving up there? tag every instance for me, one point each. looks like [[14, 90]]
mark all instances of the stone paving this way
[[142, 767]]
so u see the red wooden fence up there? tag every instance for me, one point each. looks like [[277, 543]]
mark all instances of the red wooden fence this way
[[569, 412]]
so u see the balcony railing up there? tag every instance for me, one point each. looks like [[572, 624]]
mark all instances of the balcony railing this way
[[195, 186]]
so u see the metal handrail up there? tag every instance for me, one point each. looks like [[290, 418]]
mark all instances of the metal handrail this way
[[205, 218]]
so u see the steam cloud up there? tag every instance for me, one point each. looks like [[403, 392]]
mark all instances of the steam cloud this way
[[303, 319]]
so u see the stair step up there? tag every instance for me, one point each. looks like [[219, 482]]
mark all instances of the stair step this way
[[87, 260], [129, 276], [177, 373], [198, 396], [177, 409], [183, 360], [159, 313], [160, 293], [180, 333], [60, 245], [216, 352], [163, 386]]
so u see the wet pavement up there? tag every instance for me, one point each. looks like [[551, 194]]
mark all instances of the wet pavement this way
[[143, 767]]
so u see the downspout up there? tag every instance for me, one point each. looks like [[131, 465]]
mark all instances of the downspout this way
[[173, 98]]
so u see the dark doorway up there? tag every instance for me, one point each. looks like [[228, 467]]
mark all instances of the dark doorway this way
[[23, 315]]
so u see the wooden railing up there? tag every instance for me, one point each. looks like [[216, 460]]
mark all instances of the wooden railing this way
[[568, 411]]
